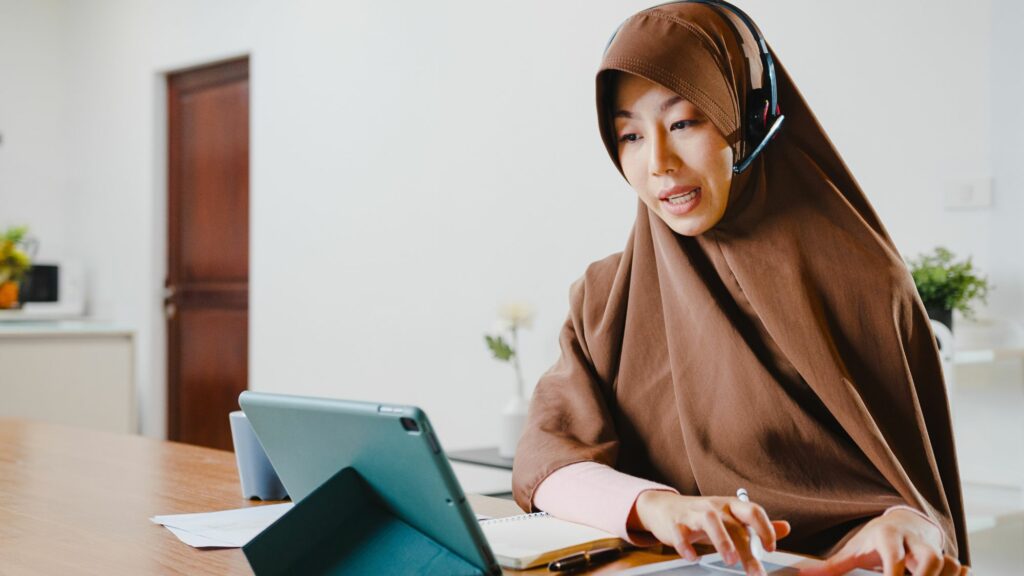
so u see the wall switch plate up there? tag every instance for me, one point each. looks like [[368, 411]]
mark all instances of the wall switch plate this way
[[971, 194]]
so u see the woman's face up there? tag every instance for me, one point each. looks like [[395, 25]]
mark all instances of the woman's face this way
[[672, 155]]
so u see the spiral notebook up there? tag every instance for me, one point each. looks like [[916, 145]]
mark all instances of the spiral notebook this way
[[530, 540]]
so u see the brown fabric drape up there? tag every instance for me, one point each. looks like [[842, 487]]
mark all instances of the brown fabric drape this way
[[785, 350]]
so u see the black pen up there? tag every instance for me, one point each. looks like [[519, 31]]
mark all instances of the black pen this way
[[585, 559]]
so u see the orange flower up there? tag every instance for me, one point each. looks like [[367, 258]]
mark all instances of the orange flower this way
[[8, 294]]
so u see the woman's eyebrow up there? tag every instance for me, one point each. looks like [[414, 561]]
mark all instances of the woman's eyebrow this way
[[671, 102], [664, 106]]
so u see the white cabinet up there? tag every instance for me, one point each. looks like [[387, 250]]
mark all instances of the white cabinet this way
[[75, 373]]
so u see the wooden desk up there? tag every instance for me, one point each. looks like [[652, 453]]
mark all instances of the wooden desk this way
[[77, 501]]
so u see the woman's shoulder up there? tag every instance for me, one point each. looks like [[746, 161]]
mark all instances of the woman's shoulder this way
[[595, 285], [603, 269]]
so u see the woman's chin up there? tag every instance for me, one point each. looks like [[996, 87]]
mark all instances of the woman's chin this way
[[692, 225]]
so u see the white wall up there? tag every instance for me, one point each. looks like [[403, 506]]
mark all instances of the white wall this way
[[1007, 229], [448, 161], [903, 88], [415, 164], [32, 153]]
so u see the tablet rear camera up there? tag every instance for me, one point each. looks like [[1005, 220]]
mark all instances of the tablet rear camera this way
[[410, 425]]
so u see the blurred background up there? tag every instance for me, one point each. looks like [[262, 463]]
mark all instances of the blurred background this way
[[337, 198]]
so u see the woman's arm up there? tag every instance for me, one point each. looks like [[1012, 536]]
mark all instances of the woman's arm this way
[[569, 420], [596, 495], [644, 513]]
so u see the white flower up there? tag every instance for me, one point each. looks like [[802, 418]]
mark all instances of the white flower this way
[[500, 327], [517, 314]]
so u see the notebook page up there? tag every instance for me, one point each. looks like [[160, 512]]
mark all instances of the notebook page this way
[[530, 539]]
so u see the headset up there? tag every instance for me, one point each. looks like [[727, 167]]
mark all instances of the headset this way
[[764, 116]]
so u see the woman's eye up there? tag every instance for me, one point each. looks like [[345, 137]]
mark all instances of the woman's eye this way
[[629, 138], [683, 124]]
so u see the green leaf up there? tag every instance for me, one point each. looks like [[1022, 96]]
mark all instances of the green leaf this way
[[944, 283], [501, 349], [14, 234]]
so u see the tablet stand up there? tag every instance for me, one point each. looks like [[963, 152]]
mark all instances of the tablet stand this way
[[343, 527]]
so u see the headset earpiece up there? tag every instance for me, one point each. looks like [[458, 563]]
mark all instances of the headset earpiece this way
[[757, 115]]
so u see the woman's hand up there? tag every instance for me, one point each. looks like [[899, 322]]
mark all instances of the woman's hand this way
[[897, 541], [679, 521]]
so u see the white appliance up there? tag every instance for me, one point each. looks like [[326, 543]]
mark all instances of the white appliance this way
[[51, 291]]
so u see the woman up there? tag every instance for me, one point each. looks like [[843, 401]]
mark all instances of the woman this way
[[759, 330]]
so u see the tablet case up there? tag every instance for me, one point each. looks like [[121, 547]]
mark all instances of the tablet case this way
[[344, 527]]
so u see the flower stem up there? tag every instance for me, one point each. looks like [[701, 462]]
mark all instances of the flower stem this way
[[515, 359]]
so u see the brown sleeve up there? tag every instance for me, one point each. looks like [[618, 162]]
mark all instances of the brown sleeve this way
[[568, 419], [907, 410], [939, 483]]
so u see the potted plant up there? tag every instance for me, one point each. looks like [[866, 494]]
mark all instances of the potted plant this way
[[946, 284], [14, 263], [504, 345]]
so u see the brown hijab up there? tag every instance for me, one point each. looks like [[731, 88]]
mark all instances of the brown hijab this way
[[785, 350]]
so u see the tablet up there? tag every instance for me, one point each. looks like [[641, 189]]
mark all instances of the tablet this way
[[393, 447]]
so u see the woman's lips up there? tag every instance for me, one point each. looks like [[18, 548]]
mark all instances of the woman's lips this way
[[685, 199]]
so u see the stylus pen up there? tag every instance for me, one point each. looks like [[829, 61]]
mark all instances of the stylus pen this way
[[585, 559], [756, 547]]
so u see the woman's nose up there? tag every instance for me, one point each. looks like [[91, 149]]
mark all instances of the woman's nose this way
[[663, 157]]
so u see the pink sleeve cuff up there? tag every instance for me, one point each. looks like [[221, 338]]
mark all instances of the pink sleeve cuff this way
[[596, 495], [942, 534]]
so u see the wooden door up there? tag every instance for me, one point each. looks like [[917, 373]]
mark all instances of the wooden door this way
[[207, 289]]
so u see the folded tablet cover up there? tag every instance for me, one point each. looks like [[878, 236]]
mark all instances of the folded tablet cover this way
[[343, 527]]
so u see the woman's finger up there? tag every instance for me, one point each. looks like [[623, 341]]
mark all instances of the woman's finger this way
[[893, 555], [754, 516], [712, 525], [922, 559], [951, 566], [782, 529], [741, 542], [741, 538], [683, 546]]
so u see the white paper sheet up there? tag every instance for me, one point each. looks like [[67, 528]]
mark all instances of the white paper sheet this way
[[224, 529]]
